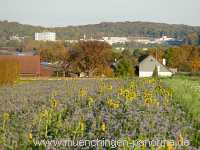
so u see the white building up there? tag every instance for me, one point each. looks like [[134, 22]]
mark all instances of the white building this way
[[72, 41], [113, 40], [147, 66], [45, 36], [16, 38], [163, 39], [148, 40], [142, 40]]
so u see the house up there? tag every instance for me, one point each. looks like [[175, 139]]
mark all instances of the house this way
[[146, 67]]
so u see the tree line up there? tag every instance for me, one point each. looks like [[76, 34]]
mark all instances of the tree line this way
[[147, 29], [185, 58], [98, 58]]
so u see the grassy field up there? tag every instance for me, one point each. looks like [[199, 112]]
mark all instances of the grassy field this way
[[113, 109], [186, 95]]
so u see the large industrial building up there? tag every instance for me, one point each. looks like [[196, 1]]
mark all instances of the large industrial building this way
[[45, 36]]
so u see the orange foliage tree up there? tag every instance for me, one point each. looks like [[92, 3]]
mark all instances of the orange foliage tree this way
[[91, 57], [185, 57], [157, 53]]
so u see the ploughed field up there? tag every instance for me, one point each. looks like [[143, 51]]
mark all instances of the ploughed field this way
[[89, 109]]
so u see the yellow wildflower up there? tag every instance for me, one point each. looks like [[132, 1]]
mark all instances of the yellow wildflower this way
[[54, 103], [125, 93], [143, 147], [181, 140], [116, 105], [44, 114], [128, 94], [30, 136], [169, 146], [90, 101], [82, 126], [148, 94], [6, 116], [103, 127], [112, 104], [82, 92], [131, 95], [120, 92], [149, 99]]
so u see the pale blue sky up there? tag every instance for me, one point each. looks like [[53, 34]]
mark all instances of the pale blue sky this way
[[75, 12]]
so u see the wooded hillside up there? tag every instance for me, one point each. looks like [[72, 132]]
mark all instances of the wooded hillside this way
[[148, 29]]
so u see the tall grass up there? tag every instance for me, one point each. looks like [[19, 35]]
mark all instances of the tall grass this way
[[186, 95]]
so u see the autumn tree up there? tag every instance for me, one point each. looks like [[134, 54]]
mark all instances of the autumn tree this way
[[185, 57], [51, 51], [192, 39], [194, 59], [157, 53], [91, 57]]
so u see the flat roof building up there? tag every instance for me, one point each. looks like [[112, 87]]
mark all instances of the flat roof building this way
[[45, 36], [113, 40]]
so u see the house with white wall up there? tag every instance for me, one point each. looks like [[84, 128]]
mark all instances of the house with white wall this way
[[147, 66]]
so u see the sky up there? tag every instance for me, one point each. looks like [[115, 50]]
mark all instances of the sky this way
[[51, 13]]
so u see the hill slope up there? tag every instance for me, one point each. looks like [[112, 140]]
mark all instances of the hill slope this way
[[149, 29]]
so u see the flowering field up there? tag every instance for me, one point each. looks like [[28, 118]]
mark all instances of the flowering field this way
[[88, 109]]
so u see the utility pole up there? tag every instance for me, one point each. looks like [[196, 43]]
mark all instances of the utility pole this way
[[156, 54]]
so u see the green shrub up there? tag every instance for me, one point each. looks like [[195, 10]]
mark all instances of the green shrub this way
[[155, 72], [9, 71], [185, 68], [124, 68]]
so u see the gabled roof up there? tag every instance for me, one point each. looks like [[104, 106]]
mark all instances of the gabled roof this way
[[148, 64]]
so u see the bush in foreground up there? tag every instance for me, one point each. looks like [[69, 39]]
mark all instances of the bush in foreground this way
[[9, 71]]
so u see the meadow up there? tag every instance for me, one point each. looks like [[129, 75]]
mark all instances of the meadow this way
[[86, 109]]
